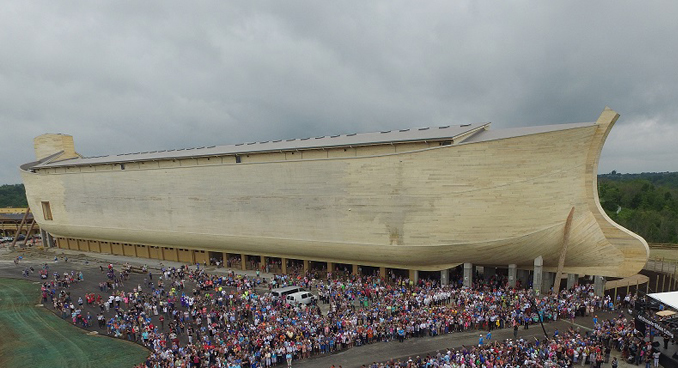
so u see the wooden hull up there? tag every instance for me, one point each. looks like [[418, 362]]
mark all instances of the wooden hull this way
[[492, 203]]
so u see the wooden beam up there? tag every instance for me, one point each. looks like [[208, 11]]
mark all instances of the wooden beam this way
[[28, 233], [21, 226], [563, 251]]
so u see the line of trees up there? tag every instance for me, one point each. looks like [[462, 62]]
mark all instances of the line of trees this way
[[13, 195], [646, 203]]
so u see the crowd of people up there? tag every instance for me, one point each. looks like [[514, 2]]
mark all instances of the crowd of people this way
[[568, 349], [190, 318]]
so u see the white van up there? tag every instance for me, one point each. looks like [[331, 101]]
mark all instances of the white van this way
[[302, 297], [281, 293]]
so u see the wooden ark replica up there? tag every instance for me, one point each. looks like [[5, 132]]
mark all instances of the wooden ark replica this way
[[419, 199]]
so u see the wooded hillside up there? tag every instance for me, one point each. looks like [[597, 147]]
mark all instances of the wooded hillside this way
[[12, 195], [646, 203]]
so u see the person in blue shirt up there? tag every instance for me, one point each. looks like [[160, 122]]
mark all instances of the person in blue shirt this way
[[480, 340]]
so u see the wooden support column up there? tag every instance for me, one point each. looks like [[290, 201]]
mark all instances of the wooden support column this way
[[444, 277], [538, 276], [243, 262], [637, 284], [563, 251], [262, 263], [571, 280], [512, 275], [468, 275], [283, 266], [45, 239], [354, 269], [330, 267], [29, 232], [414, 276], [21, 226], [599, 285], [305, 266], [382, 273]]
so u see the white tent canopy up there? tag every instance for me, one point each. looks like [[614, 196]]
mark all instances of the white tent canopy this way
[[669, 298]]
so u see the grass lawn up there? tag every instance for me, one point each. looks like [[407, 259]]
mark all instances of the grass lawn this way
[[31, 336], [668, 255]]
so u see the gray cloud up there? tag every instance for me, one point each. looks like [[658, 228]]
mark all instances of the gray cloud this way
[[137, 76]]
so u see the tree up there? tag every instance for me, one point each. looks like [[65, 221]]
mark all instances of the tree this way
[[13, 195], [647, 203]]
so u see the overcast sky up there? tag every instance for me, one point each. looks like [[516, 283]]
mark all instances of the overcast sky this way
[[130, 76]]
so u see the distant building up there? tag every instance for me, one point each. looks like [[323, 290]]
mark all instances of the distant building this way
[[11, 219]]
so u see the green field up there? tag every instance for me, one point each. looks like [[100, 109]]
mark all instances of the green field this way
[[667, 254], [31, 336]]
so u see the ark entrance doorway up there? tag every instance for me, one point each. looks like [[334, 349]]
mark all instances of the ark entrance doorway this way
[[319, 269], [395, 274], [429, 276], [368, 271], [216, 259], [253, 262], [273, 264], [342, 269], [233, 260], [295, 266]]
